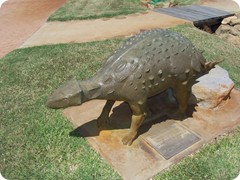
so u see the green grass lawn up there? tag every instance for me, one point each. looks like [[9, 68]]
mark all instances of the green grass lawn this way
[[218, 161], [163, 3], [35, 141], [185, 2], [91, 9]]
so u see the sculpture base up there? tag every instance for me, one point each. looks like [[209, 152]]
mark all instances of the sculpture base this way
[[161, 141]]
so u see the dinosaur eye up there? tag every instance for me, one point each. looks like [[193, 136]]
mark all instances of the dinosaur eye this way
[[65, 100]]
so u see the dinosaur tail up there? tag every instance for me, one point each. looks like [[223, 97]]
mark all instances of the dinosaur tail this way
[[207, 66]]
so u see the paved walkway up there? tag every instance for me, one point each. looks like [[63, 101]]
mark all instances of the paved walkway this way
[[100, 29], [19, 19]]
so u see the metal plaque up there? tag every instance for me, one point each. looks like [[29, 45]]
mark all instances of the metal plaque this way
[[169, 138]]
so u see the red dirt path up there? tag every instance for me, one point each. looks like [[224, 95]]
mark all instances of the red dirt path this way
[[19, 19]]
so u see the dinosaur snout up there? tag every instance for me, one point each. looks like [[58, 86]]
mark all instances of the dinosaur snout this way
[[52, 102], [56, 100], [67, 95], [49, 103]]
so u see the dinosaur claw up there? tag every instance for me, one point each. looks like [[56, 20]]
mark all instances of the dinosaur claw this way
[[128, 139], [178, 115]]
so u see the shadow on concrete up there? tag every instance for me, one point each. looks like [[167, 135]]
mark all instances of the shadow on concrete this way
[[159, 110]]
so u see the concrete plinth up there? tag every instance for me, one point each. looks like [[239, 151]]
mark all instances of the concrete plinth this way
[[161, 141]]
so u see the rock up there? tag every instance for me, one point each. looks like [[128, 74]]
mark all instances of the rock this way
[[223, 36], [145, 3], [237, 27], [211, 88], [172, 4], [166, 5], [233, 39], [151, 6], [238, 15], [234, 31], [228, 19], [223, 29], [234, 22]]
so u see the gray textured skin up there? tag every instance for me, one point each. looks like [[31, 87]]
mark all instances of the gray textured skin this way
[[146, 64]]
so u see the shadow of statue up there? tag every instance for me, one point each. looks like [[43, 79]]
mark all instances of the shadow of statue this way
[[159, 109]]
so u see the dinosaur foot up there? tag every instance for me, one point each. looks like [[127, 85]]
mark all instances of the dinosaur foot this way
[[178, 115], [128, 139]]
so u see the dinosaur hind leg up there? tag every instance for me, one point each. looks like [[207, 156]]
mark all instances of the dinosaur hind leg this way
[[103, 119], [182, 93], [139, 115]]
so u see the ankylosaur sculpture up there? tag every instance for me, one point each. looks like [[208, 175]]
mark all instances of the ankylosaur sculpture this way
[[146, 64]]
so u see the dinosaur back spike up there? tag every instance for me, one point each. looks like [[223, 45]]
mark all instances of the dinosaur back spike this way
[[209, 65]]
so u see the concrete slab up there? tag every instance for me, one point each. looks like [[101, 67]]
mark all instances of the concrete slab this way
[[100, 29], [142, 160]]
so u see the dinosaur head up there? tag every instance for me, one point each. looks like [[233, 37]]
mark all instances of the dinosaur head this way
[[69, 94]]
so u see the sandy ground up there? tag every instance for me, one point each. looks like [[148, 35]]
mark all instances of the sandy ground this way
[[100, 29], [227, 5]]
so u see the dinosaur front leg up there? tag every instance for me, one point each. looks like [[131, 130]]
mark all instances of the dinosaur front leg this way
[[139, 115], [103, 119]]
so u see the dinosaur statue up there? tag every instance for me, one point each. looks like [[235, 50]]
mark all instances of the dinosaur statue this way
[[145, 65]]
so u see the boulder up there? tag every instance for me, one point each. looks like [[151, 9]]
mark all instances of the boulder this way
[[234, 31], [228, 19], [238, 15], [212, 88], [237, 27], [234, 22], [223, 29], [230, 29], [223, 36], [233, 39]]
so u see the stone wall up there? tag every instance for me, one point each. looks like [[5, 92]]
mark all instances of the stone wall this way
[[230, 29]]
